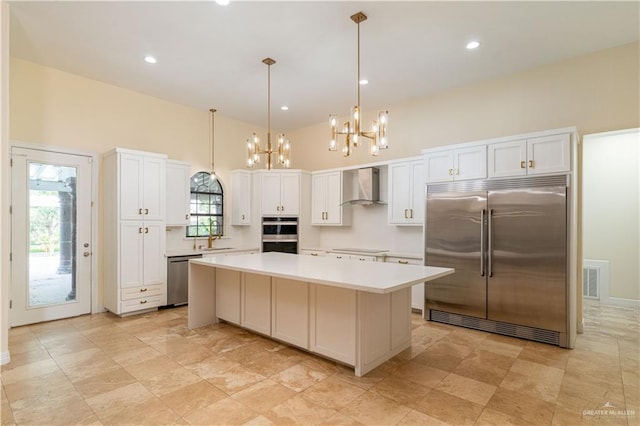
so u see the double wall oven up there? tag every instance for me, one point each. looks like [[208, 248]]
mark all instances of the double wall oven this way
[[280, 234]]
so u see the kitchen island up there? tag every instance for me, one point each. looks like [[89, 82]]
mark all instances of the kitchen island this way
[[357, 313]]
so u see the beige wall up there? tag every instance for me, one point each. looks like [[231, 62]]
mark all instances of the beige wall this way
[[595, 93], [611, 209]]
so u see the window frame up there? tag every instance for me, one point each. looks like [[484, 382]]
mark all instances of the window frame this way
[[212, 189]]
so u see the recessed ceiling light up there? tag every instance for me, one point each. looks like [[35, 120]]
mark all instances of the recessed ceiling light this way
[[222, 2], [473, 45], [284, 108], [150, 59], [364, 81]]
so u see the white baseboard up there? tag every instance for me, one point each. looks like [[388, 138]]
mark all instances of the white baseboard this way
[[581, 326], [5, 358], [618, 301]]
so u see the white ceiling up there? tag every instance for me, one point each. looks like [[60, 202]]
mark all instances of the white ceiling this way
[[211, 56]]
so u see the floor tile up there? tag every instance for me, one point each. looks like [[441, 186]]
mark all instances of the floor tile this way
[[463, 387], [263, 396], [192, 397], [449, 408], [522, 406], [333, 392], [487, 367], [235, 379], [416, 418], [170, 381], [401, 391], [371, 408], [224, 412], [104, 382], [299, 377], [421, 374], [300, 411]]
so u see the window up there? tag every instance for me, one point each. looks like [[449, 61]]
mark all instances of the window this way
[[206, 206]]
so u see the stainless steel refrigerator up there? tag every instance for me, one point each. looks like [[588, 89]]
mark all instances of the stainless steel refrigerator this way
[[508, 242]]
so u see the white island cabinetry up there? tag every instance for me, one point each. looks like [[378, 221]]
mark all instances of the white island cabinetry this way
[[355, 313], [135, 189], [417, 291]]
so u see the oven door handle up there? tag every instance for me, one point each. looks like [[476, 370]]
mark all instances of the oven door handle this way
[[285, 240]]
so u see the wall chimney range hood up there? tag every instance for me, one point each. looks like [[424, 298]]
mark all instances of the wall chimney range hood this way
[[368, 187]]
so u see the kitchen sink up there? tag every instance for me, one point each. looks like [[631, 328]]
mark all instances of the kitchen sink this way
[[215, 248]]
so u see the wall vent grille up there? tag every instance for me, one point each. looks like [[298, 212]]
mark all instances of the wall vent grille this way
[[513, 330], [591, 282]]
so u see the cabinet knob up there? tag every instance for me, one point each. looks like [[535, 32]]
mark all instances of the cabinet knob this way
[[450, 172], [86, 254], [531, 164], [410, 213], [139, 211], [142, 302], [403, 262], [139, 230], [186, 216], [314, 254], [142, 290], [146, 211], [146, 230], [242, 217], [522, 165]]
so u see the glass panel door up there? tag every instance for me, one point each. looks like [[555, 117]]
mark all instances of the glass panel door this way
[[51, 236]]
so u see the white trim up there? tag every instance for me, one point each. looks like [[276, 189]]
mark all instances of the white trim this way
[[94, 211], [5, 358], [605, 285], [366, 165], [611, 133]]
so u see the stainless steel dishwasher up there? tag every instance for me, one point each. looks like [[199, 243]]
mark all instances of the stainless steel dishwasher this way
[[178, 279]]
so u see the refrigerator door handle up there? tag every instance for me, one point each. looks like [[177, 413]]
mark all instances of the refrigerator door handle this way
[[482, 253], [490, 243]]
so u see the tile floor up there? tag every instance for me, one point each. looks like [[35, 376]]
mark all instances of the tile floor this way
[[150, 369]]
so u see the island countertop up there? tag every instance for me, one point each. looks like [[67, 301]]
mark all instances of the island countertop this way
[[372, 277]]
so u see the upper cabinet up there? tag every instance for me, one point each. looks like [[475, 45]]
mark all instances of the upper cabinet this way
[[327, 192], [240, 197], [141, 186], [537, 155], [178, 194], [280, 193], [406, 193], [455, 164]]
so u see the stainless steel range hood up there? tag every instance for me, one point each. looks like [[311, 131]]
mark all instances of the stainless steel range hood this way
[[368, 187]]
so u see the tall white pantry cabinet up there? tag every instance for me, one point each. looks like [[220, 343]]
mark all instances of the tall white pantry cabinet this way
[[134, 230]]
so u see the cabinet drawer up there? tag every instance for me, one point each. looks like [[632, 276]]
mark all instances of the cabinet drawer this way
[[403, 260], [142, 291], [141, 303]]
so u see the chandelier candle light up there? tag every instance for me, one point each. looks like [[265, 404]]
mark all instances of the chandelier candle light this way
[[283, 149], [352, 132]]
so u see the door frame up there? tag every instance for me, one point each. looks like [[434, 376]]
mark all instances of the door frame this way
[[95, 248]]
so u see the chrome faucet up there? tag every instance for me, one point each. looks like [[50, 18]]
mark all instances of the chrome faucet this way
[[212, 236]]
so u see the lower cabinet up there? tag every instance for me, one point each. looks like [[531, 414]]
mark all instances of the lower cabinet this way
[[256, 303], [290, 311], [417, 291], [228, 295], [333, 323]]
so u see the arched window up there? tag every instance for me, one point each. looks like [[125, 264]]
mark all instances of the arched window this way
[[206, 206]]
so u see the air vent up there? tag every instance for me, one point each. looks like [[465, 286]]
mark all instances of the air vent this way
[[513, 330], [591, 282]]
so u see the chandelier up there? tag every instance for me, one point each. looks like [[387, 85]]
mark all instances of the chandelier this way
[[282, 151], [351, 130]]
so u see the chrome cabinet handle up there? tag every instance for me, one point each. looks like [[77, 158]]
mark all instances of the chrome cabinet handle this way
[[482, 254], [490, 248]]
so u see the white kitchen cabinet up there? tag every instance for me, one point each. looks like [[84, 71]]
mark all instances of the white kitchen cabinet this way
[[134, 231], [228, 295], [358, 257], [280, 193], [240, 198], [417, 291], [290, 308], [327, 195], [141, 185], [256, 303], [333, 322], [531, 156], [312, 252], [406, 197], [178, 195], [456, 164]]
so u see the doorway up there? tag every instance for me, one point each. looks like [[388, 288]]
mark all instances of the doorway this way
[[51, 235], [611, 217]]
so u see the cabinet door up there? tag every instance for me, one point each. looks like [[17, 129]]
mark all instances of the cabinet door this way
[[438, 166], [240, 198], [154, 262], [470, 163], [417, 291], [130, 177], [400, 196], [548, 154], [256, 303], [319, 189], [290, 311], [154, 188], [270, 194], [228, 295], [417, 193], [290, 195], [507, 159], [178, 194], [334, 199], [130, 254], [333, 323]]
